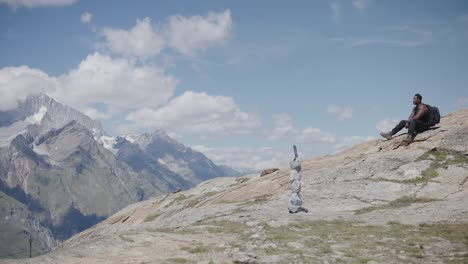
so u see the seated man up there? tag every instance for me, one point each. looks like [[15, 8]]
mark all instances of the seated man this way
[[417, 121]]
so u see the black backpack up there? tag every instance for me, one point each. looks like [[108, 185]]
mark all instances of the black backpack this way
[[433, 115]]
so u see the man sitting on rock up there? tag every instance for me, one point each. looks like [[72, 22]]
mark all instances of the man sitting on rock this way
[[417, 122]]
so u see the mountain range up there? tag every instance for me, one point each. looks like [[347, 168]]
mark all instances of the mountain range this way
[[60, 173]]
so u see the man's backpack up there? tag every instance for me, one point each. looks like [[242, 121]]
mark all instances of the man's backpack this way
[[433, 115]]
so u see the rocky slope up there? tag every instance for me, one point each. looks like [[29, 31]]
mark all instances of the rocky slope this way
[[377, 202]]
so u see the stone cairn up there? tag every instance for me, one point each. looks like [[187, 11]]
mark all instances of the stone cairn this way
[[295, 202]]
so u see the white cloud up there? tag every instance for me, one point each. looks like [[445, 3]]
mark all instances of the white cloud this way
[[186, 35], [283, 127], [198, 113], [387, 124], [142, 40], [361, 4], [16, 83], [95, 114], [357, 42], [120, 83], [14, 4], [86, 17], [247, 158], [336, 11], [462, 102], [401, 36], [347, 142], [315, 135], [341, 113]]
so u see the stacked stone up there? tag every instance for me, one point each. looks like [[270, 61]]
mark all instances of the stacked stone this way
[[295, 202]]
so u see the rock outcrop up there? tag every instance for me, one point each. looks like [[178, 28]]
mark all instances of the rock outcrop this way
[[376, 202]]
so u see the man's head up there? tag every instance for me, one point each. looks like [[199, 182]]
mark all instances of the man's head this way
[[417, 99]]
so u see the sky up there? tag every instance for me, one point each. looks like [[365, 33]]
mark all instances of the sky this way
[[240, 81]]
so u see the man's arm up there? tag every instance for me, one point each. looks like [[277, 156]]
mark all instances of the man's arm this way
[[422, 110], [410, 117]]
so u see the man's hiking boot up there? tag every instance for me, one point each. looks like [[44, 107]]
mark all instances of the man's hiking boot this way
[[387, 135], [408, 140]]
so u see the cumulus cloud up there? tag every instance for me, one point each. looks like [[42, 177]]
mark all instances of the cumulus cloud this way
[[283, 127], [315, 135], [119, 83], [341, 113], [244, 159], [86, 17], [386, 124], [14, 4], [189, 35], [185, 35], [198, 113], [143, 40], [95, 114], [16, 83]]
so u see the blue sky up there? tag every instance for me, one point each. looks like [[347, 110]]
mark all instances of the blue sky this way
[[240, 81]]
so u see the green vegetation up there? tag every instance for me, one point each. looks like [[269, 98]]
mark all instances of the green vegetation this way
[[179, 231], [150, 218], [177, 260], [242, 179], [440, 159], [258, 200], [198, 249], [360, 243], [194, 202], [398, 203]]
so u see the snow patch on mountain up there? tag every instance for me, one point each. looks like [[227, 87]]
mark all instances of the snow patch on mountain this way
[[37, 117], [108, 143], [131, 138]]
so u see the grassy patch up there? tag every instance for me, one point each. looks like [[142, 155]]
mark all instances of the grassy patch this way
[[440, 159], [357, 242], [258, 200], [150, 218], [177, 260], [225, 226], [398, 203], [362, 260], [196, 250], [179, 231], [178, 199], [242, 180], [271, 251], [194, 202], [451, 232]]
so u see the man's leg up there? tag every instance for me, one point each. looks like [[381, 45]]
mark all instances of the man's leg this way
[[416, 126], [395, 130], [399, 127]]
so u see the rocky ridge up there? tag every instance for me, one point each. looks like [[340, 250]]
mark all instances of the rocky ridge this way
[[376, 202]]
